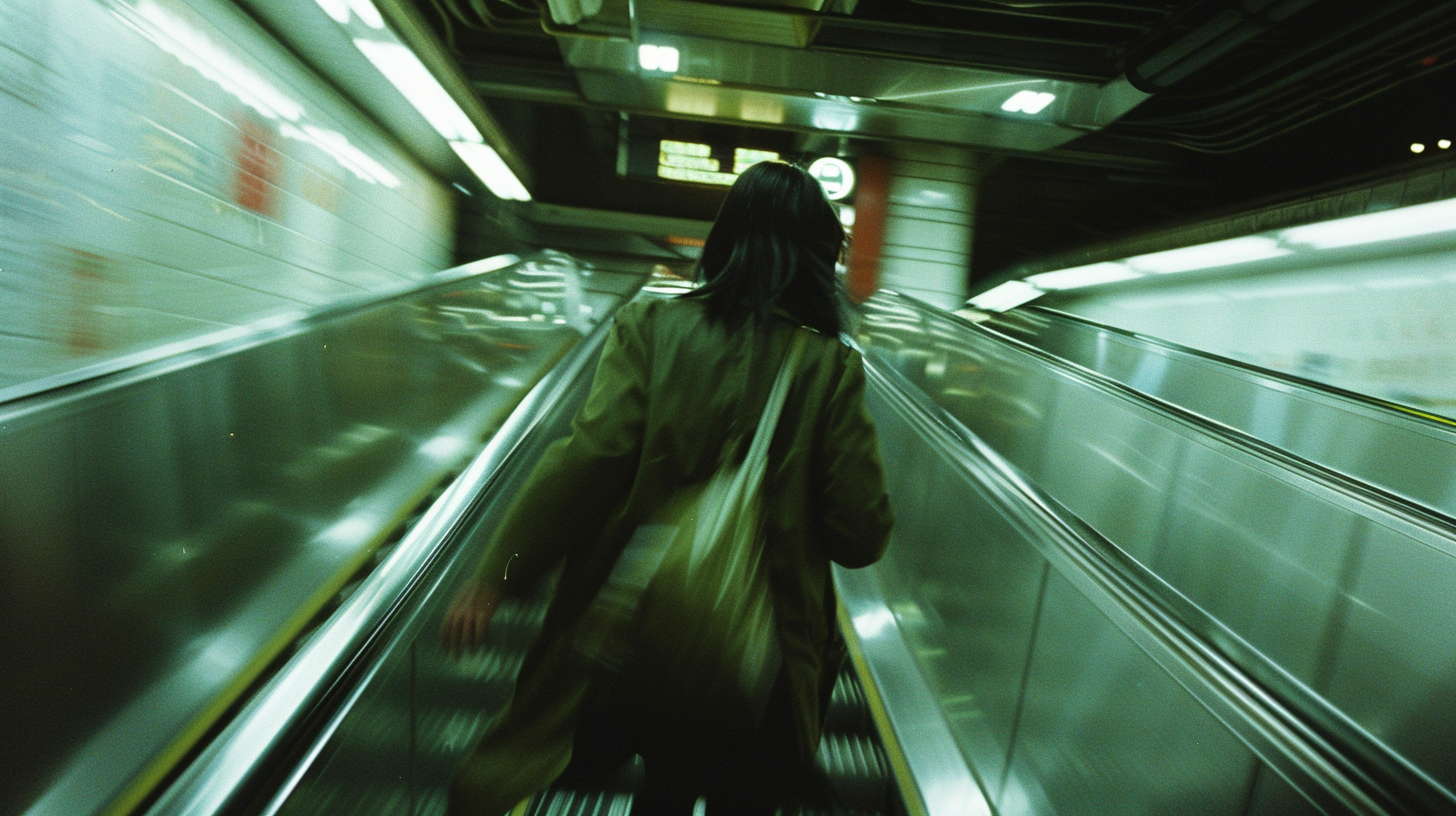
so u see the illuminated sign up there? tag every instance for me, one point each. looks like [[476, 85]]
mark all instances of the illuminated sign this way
[[693, 161], [834, 175]]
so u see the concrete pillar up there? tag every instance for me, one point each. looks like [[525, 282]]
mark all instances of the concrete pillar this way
[[870, 202], [929, 216]]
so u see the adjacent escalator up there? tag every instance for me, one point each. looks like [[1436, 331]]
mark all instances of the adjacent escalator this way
[[1322, 592]]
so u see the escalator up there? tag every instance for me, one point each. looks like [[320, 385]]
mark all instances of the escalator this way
[[1292, 534], [383, 731], [174, 524], [1034, 642], [1011, 655]]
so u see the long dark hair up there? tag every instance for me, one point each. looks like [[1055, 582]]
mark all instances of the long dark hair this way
[[773, 244]]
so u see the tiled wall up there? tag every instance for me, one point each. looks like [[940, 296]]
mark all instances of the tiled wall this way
[[168, 169]]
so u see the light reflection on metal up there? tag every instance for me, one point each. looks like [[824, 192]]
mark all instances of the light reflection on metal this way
[[834, 118], [415, 82], [871, 623], [762, 108], [692, 99]]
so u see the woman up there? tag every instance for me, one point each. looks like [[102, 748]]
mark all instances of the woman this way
[[678, 380]]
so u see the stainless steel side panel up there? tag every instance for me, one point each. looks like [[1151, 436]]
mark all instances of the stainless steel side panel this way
[[1394, 668], [1110, 465], [1273, 796], [963, 589], [1105, 729], [1262, 554], [1410, 453]]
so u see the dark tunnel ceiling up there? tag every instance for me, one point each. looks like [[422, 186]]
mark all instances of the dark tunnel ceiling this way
[[1294, 96]]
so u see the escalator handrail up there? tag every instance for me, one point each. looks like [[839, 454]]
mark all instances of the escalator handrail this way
[[1416, 513], [31, 395], [266, 725], [1361, 776], [1382, 408]]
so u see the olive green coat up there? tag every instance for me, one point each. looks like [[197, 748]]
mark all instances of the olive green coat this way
[[671, 390]]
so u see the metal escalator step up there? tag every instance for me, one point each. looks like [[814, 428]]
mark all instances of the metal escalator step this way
[[858, 771], [848, 710], [580, 803]]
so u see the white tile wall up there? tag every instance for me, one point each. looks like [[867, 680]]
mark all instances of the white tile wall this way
[[929, 220]]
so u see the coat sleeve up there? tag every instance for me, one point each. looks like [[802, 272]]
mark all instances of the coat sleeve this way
[[853, 506], [582, 479]]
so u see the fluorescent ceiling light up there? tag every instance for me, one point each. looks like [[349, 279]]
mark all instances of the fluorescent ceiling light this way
[[657, 58], [1008, 295], [1208, 256], [488, 165], [1389, 225], [196, 50], [1079, 276], [405, 71], [1028, 102]]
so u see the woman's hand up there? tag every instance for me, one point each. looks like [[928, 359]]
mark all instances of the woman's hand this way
[[468, 619]]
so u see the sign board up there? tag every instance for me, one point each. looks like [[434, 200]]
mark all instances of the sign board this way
[[834, 175]]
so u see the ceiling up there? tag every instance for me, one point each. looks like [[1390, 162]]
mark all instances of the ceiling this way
[[1166, 111]]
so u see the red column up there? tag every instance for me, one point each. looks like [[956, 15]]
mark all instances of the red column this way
[[870, 200]]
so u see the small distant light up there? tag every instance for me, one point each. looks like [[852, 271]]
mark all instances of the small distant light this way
[[658, 58], [1028, 102], [1417, 147], [1444, 144]]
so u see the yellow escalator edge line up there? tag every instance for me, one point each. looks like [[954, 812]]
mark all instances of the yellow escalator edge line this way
[[915, 804]]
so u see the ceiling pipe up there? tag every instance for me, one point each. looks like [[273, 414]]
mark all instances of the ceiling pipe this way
[[1209, 42]]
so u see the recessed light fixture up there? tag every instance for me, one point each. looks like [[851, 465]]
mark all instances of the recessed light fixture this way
[[1079, 276], [1008, 295], [1208, 256], [658, 58], [491, 168], [1444, 144], [1417, 147], [405, 71], [1028, 102]]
